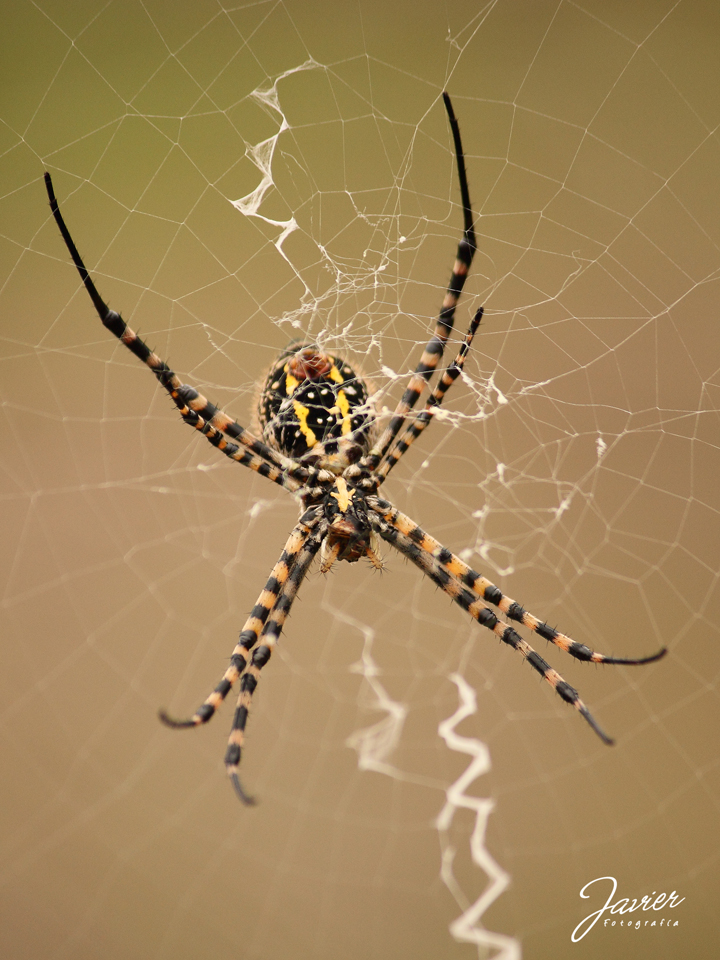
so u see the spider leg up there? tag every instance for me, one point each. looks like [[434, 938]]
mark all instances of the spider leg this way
[[244, 457], [255, 622], [434, 349], [415, 428], [262, 652], [195, 409], [486, 618], [486, 590]]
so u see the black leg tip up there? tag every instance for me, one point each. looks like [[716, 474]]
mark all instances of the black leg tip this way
[[245, 797], [641, 662], [608, 741], [50, 190], [173, 723]]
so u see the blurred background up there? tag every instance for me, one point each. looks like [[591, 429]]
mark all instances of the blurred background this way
[[236, 177]]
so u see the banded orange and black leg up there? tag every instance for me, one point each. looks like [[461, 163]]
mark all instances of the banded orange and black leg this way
[[194, 408], [262, 652], [483, 588], [436, 345], [281, 573], [418, 424], [415, 544]]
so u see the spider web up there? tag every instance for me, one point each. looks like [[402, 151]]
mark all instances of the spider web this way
[[236, 176]]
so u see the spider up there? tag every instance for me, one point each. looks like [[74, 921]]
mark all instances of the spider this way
[[319, 443]]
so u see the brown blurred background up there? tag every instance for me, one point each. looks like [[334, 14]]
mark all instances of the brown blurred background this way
[[577, 468]]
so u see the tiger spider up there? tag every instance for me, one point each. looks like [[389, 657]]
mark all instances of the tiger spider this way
[[319, 443]]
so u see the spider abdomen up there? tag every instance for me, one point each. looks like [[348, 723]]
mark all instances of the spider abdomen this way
[[309, 398]]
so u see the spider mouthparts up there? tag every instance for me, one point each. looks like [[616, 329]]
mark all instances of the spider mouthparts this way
[[245, 797]]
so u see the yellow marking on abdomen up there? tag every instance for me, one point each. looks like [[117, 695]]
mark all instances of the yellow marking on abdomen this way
[[344, 407], [301, 412], [341, 400]]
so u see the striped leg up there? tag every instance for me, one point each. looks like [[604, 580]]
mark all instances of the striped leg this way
[[195, 409], [255, 622], [414, 429], [482, 587], [486, 618], [434, 349], [262, 653], [243, 457]]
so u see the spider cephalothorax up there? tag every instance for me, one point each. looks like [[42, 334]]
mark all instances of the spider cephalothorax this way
[[319, 444], [350, 534]]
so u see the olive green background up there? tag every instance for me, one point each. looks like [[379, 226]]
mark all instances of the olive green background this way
[[578, 468]]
